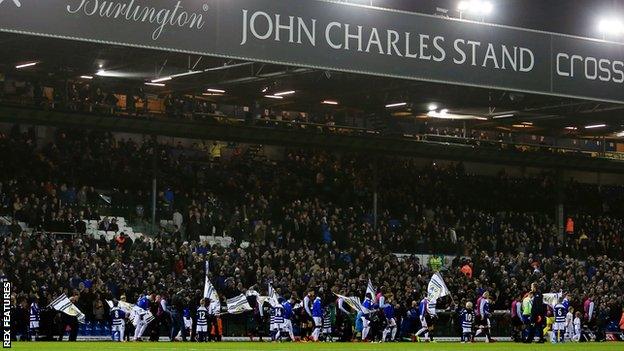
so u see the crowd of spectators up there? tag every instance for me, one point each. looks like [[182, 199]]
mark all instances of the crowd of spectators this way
[[94, 97], [94, 270], [302, 220], [85, 175]]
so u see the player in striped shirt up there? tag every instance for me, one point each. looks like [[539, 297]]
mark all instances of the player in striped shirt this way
[[467, 318], [277, 322], [201, 322], [34, 314], [559, 325], [118, 323]]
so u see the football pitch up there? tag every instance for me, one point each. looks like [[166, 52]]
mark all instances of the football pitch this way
[[257, 346]]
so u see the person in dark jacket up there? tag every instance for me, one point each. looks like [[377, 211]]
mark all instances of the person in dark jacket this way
[[538, 314]]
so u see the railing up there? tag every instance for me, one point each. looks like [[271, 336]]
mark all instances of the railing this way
[[447, 325], [519, 147]]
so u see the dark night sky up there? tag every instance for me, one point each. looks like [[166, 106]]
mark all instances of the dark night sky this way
[[577, 17]]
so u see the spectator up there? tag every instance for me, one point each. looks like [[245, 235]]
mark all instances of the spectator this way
[[121, 241], [178, 219]]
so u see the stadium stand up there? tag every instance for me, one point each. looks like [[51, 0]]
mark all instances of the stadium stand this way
[[312, 171], [298, 221], [100, 101]]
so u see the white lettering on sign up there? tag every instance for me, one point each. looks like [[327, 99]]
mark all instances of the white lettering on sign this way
[[175, 16], [590, 68], [262, 25]]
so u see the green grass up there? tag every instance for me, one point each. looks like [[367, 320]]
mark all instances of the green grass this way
[[225, 346]]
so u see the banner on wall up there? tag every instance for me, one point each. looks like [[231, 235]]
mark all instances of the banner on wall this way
[[338, 36]]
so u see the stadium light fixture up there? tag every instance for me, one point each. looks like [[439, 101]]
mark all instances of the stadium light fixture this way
[[527, 123], [118, 74], [212, 90], [329, 102], [30, 64], [620, 134], [277, 97], [191, 72], [611, 26], [155, 84], [594, 126], [163, 79], [86, 77], [283, 93], [362, 2], [398, 104], [432, 107], [507, 115], [571, 128], [475, 7], [445, 114], [486, 7]]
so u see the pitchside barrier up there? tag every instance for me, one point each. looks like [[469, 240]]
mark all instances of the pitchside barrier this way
[[237, 327], [446, 326]]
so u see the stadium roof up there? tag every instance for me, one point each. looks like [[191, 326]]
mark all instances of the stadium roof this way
[[128, 68]]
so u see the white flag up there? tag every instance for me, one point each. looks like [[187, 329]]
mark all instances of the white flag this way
[[238, 304], [437, 288], [552, 298], [371, 289], [354, 303], [209, 290], [64, 304], [259, 299], [125, 306], [273, 297], [149, 317], [137, 312]]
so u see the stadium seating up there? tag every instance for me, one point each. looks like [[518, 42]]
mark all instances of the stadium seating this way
[[297, 220]]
